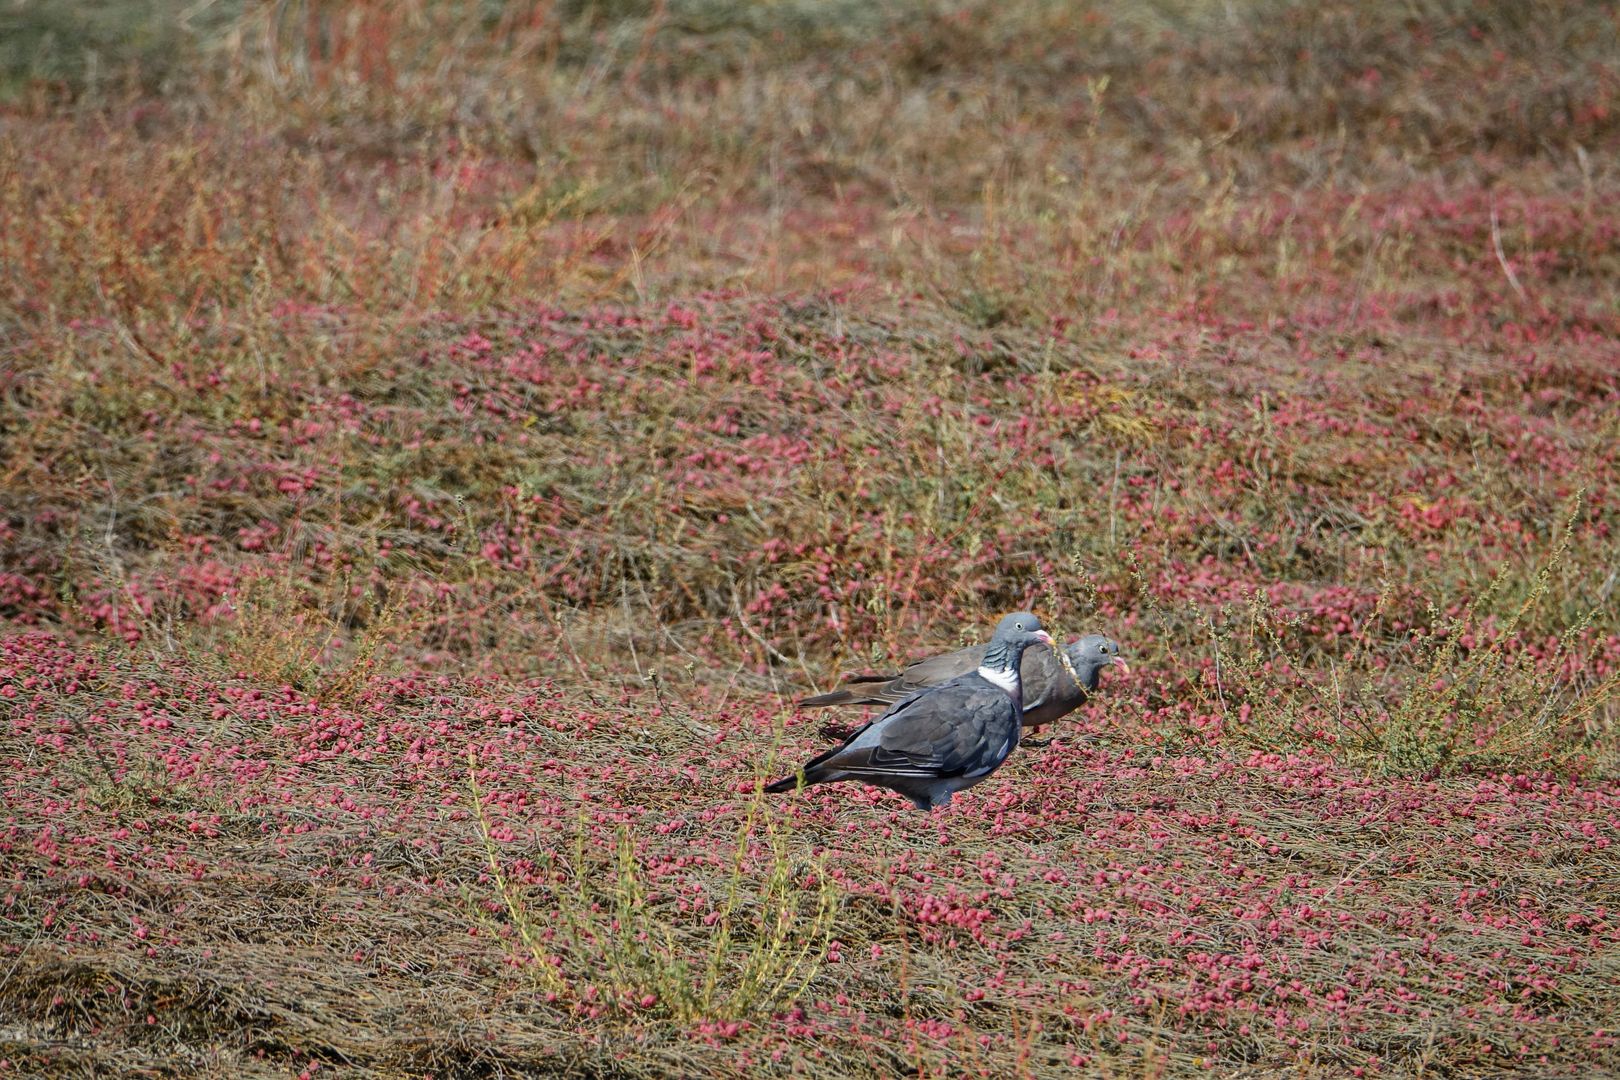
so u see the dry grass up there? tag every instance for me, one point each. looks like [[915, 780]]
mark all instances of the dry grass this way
[[438, 440]]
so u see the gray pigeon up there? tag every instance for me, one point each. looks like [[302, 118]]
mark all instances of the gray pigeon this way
[[1050, 692], [940, 739]]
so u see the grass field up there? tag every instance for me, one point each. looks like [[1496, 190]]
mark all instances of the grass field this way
[[440, 440]]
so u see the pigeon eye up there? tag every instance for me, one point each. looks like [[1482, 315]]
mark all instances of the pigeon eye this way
[[1103, 649]]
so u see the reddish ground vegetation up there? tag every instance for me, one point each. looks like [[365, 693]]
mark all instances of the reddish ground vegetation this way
[[436, 452]]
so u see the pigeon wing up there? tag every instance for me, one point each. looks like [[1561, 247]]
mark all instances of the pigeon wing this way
[[938, 670], [886, 689], [1050, 692], [938, 732]]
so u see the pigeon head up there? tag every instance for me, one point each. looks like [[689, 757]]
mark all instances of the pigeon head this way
[[1091, 654], [1013, 635]]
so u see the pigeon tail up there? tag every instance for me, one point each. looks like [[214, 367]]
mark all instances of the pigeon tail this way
[[809, 770], [831, 697], [868, 677], [844, 695]]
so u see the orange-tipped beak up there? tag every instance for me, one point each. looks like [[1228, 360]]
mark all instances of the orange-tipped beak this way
[[1119, 662], [1045, 638]]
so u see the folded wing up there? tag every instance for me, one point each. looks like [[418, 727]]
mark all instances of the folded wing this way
[[886, 689], [959, 729]]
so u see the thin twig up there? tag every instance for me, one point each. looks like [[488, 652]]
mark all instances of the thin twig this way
[[1501, 258]]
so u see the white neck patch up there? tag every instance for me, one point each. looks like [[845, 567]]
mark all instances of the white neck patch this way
[[1007, 680]]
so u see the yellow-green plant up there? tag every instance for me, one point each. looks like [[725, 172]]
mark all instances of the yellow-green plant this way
[[1496, 703], [300, 634], [763, 945], [1461, 692]]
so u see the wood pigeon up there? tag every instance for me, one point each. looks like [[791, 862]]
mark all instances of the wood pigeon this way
[[938, 739]]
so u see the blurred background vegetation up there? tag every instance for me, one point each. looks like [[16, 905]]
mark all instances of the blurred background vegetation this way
[[1142, 228]]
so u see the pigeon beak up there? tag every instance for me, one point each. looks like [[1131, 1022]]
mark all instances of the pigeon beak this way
[[1044, 638], [1119, 662]]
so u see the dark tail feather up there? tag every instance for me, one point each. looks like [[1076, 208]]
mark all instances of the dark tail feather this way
[[832, 697], [870, 678], [812, 769], [790, 782]]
